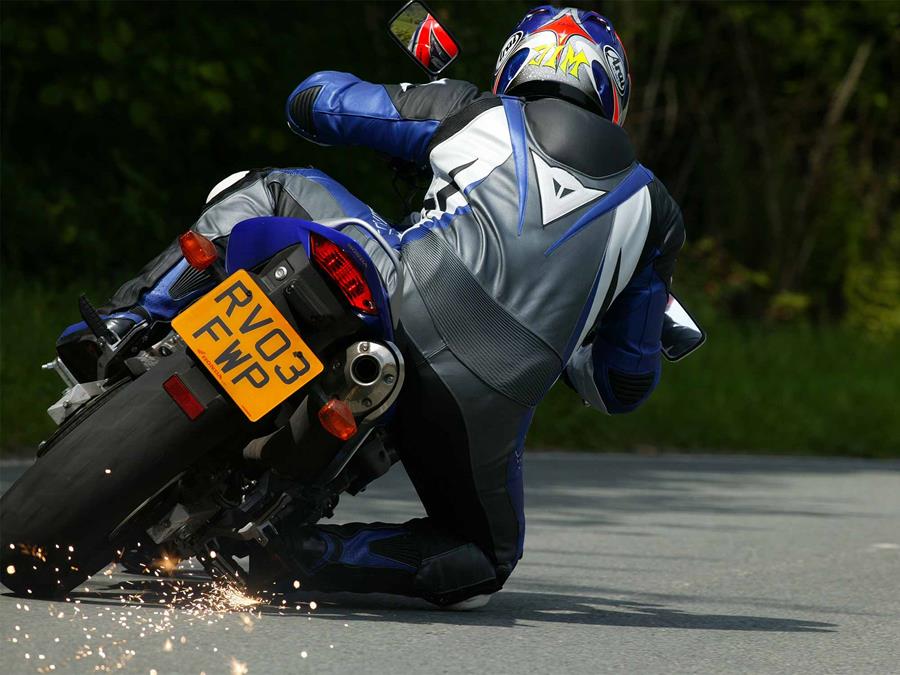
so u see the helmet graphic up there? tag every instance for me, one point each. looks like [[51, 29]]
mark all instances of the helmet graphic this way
[[431, 45], [568, 53]]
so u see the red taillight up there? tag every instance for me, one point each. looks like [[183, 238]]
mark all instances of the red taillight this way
[[337, 265], [183, 397], [199, 251], [337, 419]]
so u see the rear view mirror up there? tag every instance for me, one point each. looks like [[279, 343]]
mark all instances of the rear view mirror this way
[[680, 334], [422, 37]]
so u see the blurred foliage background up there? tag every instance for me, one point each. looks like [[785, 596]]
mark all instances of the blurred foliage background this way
[[774, 125]]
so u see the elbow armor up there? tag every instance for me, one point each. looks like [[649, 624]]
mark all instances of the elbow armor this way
[[623, 392], [300, 111]]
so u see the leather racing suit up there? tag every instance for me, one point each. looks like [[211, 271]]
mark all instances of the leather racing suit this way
[[543, 249]]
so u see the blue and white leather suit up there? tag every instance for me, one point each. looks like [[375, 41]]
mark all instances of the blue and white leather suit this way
[[543, 249]]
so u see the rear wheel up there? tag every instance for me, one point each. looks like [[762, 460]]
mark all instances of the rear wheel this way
[[56, 521]]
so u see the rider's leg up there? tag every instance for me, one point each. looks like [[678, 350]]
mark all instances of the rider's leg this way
[[461, 444], [167, 284], [297, 193]]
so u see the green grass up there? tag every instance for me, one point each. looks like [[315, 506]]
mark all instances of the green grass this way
[[407, 23], [31, 318], [786, 389]]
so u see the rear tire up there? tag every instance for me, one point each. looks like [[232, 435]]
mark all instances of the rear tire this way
[[56, 520]]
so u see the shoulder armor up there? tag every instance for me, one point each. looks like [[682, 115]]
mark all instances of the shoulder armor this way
[[456, 121], [578, 138]]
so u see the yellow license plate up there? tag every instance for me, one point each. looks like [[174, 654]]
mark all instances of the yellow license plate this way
[[247, 345]]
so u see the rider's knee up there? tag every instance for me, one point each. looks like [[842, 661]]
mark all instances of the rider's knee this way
[[458, 574]]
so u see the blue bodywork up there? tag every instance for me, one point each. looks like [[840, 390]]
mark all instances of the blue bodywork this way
[[251, 243], [256, 240]]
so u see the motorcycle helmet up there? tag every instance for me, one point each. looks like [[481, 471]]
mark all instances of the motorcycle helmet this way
[[567, 53]]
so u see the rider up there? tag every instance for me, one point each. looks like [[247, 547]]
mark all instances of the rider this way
[[542, 249]]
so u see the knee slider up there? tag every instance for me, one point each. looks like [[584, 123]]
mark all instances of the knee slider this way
[[457, 574]]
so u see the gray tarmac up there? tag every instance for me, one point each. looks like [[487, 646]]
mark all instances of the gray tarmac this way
[[668, 564]]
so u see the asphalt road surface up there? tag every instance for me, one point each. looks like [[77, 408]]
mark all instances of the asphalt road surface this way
[[633, 564]]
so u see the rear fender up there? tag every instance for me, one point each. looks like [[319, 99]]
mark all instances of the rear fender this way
[[255, 240]]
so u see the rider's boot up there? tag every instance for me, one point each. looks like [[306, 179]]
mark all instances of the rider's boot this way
[[80, 350], [142, 311], [413, 559]]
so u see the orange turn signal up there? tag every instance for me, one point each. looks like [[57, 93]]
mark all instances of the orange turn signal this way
[[199, 251], [337, 419]]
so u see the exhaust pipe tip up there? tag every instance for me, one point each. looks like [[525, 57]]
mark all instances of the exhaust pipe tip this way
[[365, 370]]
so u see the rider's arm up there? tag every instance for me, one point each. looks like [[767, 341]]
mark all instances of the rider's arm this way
[[618, 371], [332, 108], [620, 368]]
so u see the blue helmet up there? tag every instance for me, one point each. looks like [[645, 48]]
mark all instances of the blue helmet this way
[[574, 54]]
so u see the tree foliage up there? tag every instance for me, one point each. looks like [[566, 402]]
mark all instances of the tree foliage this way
[[773, 124]]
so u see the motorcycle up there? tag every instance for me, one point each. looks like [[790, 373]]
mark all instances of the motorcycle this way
[[269, 396], [190, 444]]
